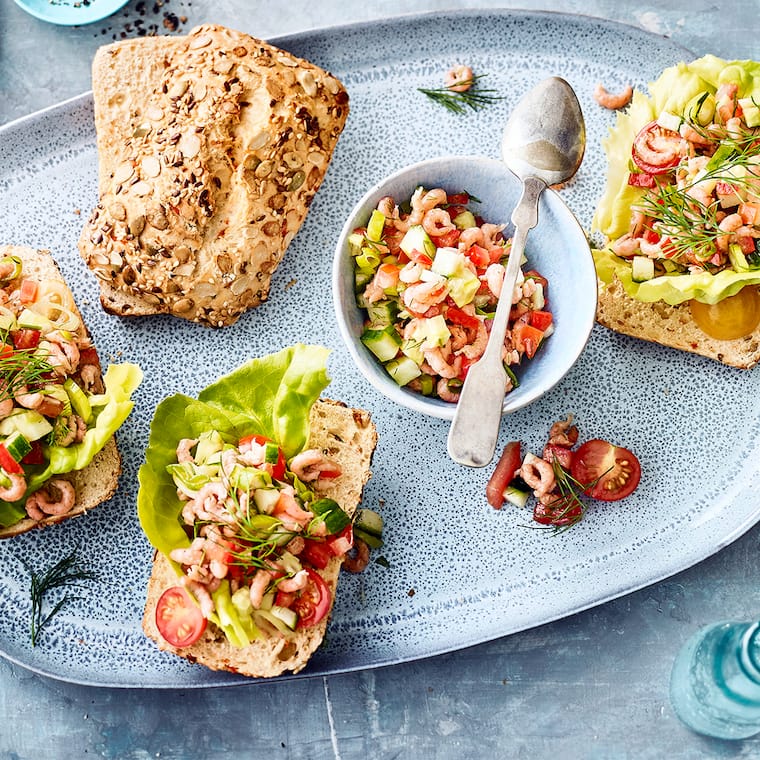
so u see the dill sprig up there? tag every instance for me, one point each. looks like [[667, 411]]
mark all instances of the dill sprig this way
[[474, 97], [66, 573], [19, 368]]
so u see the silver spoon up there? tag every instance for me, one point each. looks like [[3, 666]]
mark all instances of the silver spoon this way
[[543, 145]]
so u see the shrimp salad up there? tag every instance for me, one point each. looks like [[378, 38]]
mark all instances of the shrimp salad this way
[[56, 412], [429, 274], [681, 211], [255, 522]]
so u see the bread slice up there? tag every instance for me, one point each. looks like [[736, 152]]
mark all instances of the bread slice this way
[[99, 480], [346, 435], [671, 326], [211, 148]]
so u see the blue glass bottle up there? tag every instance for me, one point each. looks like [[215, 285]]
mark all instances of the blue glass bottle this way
[[715, 682]]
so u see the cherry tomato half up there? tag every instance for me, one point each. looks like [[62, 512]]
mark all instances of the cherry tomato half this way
[[610, 472], [506, 469], [729, 319], [655, 149], [562, 511], [313, 603], [178, 618]]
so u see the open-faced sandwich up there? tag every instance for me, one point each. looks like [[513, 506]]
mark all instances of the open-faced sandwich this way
[[681, 213], [247, 494], [58, 411], [211, 148]]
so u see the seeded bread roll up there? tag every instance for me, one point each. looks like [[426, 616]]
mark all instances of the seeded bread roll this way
[[211, 148], [671, 326], [349, 437], [98, 481]]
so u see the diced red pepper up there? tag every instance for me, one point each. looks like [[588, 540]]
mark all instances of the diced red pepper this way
[[526, 339], [478, 255], [651, 236], [418, 257], [5, 350], [541, 320], [459, 317], [342, 542], [8, 463]]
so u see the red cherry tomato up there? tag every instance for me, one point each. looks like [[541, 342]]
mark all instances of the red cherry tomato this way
[[316, 553], [506, 469], [561, 512], [562, 454], [609, 472], [178, 618], [313, 603], [655, 149]]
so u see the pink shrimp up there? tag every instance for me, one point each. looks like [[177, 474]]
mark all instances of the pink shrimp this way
[[538, 474], [310, 465], [611, 101], [437, 222], [183, 449], [459, 78], [494, 278], [471, 236], [296, 583], [444, 392], [15, 490], [436, 360], [420, 297], [475, 349], [56, 498]]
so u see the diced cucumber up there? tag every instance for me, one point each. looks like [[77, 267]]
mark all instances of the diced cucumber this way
[[17, 446], [286, 615], [373, 541], [249, 478], [701, 108], [642, 268], [464, 220], [382, 313], [416, 239], [32, 425], [427, 384], [271, 453], [403, 370], [384, 343], [265, 499], [369, 521], [516, 495], [362, 278], [334, 517]]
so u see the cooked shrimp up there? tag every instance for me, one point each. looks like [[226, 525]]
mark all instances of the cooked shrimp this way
[[475, 349], [56, 498], [436, 361], [433, 198], [471, 236], [16, 489], [6, 407], [183, 449], [309, 465], [437, 222], [563, 432], [729, 225], [609, 100], [625, 246], [492, 235], [358, 558], [387, 207], [420, 297], [444, 392], [91, 378], [64, 353], [538, 474], [296, 583], [202, 594], [494, 278], [28, 400], [459, 78], [410, 273]]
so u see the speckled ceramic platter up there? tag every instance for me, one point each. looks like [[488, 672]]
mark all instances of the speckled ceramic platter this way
[[458, 572]]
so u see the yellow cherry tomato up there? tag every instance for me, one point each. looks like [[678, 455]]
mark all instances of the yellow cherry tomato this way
[[729, 319]]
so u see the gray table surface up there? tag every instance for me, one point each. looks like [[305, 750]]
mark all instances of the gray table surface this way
[[593, 685]]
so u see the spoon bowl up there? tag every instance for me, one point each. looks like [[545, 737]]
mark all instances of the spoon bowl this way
[[543, 144]]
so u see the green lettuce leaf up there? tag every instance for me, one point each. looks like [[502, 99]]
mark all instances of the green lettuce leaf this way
[[671, 92], [113, 408], [270, 396]]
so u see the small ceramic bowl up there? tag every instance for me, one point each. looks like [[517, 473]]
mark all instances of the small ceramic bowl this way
[[557, 248], [71, 12]]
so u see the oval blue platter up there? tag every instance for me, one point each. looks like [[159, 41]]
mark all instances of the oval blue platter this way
[[457, 572]]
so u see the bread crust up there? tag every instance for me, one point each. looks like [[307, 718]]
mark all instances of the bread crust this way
[[211, 148], [98, 481], [349, 437], [671, 326]]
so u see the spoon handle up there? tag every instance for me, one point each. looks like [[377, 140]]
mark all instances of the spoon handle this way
[[475, 427]]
